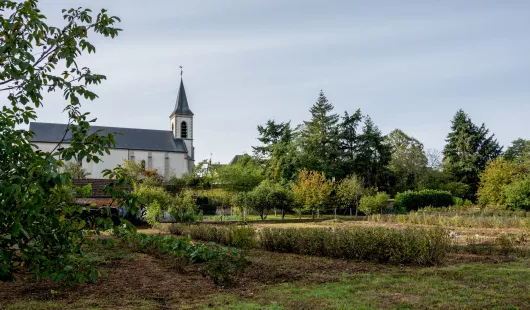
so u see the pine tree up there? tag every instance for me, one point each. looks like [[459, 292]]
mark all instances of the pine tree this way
[[349, 140], [373, 156], [469, 148], [319, 139]]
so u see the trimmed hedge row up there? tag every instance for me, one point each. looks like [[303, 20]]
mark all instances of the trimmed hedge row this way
[[409, 246], [238, 236], [395, 246], [414, 200]]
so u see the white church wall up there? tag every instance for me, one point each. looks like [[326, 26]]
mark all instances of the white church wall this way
[[178, 164]]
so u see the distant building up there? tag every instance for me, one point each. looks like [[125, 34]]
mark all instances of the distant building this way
[[235, 159], [171, 152]]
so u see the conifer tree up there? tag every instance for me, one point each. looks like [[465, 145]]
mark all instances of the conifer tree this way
[[469, 148], [373, 157], [319, 139]]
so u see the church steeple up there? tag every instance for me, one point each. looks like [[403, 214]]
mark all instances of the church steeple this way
[[181, 106]]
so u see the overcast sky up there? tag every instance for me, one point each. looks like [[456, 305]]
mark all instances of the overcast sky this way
[[408, 64]]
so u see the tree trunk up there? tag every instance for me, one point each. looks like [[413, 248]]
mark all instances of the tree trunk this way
[[274, 211], [283, 214], [335, 213], [351, 213], [357, 209]]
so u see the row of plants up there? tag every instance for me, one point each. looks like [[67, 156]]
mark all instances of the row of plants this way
[[453, 221], [220, 263], [414, 200], [474, 211], [408, 246]]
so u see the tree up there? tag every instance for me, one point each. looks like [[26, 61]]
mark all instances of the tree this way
[[469, 148], [518, 194], [434, 159], [75, 170], [408, 162], [349, 192], [268, 195], [498, 173], [374, 204], [374, 155], [319, 139], [277, 151], [312, 191], [518, 151], [246, 174], [349, 140], [39, 230]]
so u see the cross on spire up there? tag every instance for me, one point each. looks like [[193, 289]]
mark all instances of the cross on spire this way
[[181, 71]]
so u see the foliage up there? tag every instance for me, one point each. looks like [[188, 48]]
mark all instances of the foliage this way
[[408, 163], [39, 231], [374, 204], [414, 200], [469, 148], [133, 170], [246, 174], [518, 194], [409, 246], [498, 173], [222, 263], [155, 199], [268, 195], [184, 207], [519, 151], [438, 219], [201, 177], [373, 157], [75, 170], [349, 140], [349, 192], [242, 237], [319, 139], [312, 191]]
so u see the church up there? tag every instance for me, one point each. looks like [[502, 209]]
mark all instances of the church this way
[[170, 152]]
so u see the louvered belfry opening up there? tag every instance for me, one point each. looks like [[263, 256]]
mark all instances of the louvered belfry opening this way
[[183, 130]]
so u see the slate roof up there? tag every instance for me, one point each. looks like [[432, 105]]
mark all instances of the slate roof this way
[[181, 107], [235, 159], [126, 138]]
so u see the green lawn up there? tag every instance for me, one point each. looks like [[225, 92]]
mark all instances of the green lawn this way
[[464, 286]]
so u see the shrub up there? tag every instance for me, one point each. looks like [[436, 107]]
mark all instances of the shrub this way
[[408, 246], [222, 264], [518, 194], [238, 236], [374, 204], [413, 200]]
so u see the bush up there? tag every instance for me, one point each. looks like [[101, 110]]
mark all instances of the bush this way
[[384, 245], [374, 204], [238, 236], [222, 264], [414, 200], [518, 194]]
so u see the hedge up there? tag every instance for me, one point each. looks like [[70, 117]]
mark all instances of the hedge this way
[[414, 200], [384, 245]]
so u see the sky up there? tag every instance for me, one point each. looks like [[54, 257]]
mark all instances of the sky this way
[[408, 64]]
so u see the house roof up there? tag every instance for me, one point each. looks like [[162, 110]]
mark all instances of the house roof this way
[[181, 107], [235, 159], [126, 138]]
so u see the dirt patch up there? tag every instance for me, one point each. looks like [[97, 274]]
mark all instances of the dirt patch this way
[[143, 277]]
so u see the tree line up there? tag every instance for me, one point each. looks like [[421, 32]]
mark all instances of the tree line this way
[[352, 144]]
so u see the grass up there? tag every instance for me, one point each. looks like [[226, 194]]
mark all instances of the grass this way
[[467, 286]]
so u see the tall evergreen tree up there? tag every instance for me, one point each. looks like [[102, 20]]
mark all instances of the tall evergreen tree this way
[[319, 139], [519, 151], [373, 156], [349, 140], [277, 152], [469, 148]]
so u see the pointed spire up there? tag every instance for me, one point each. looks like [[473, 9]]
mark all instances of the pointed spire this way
[[181, 107]]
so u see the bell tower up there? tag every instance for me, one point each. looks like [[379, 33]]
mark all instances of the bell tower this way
[[181, 120]]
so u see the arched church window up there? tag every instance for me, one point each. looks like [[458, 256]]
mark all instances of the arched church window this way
[[172, 127], [183, 130]]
